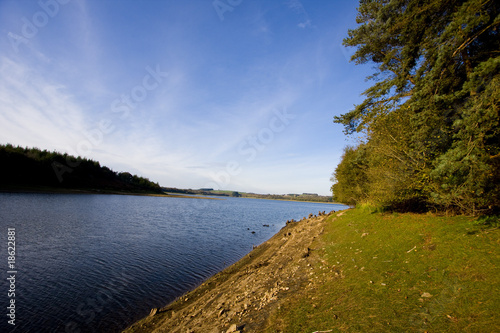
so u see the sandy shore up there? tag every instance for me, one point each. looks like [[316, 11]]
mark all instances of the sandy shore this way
[[244, 296]]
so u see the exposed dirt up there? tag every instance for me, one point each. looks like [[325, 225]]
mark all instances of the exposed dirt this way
[[242, 297]]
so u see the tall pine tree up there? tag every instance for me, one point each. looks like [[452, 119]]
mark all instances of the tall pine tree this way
[[439, 70]]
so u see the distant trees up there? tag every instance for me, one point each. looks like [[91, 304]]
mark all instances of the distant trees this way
[[32, 167], [293, 197], [431, 119]]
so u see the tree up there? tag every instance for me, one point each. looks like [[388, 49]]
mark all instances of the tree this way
[[397, 173], [468, 174], [31, 167], [350, 178], [437, 70]]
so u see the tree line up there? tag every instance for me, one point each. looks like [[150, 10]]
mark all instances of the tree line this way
[[428, 127], [236, 194], [34, 168], [288, 197]]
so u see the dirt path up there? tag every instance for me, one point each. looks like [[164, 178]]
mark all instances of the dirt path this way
[[242, 297]]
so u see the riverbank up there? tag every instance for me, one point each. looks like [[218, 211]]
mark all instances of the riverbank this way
[[246, 294], [351, 271]]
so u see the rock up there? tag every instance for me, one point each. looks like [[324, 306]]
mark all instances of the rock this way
[[232, 329], [153, 312], [364, 234], [426, 295]]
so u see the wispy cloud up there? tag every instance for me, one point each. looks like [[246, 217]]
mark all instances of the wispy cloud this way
[[35, 110], [298, 7], [225, 82], [304, 24]]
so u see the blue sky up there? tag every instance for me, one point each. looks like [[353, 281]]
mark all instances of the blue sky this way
[[229, 94]]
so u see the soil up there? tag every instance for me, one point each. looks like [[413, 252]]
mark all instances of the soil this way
[[244, 296]]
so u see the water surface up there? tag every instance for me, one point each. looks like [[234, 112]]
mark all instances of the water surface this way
[[98, 263]]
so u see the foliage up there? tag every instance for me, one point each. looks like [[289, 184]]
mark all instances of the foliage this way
[[491, 221], [32, 167], [350, 178], [431, 118]]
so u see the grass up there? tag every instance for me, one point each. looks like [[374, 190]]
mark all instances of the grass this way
[[377, 272]]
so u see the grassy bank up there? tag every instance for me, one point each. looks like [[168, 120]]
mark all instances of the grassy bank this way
[[376, 272]]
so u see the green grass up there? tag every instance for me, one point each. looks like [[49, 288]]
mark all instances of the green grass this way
[[373, 272]]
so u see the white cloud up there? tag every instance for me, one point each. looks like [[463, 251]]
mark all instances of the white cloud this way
[[218, 94], [35, 111], [304, 24], [297, 7]]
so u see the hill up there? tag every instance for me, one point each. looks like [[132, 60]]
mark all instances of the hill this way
[[35, 169]]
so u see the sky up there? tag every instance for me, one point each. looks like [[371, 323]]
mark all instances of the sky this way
[[226, 94]]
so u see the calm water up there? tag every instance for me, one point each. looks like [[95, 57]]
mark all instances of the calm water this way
[[97, 263]]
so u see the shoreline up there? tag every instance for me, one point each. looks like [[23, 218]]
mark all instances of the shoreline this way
[[244, 295], [55, 190], [51, 190], [319, 202]]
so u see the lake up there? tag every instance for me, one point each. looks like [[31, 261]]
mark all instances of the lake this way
[[98, 263]]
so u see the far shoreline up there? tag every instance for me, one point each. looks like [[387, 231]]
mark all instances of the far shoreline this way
[[308, 201], [54, 190]]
